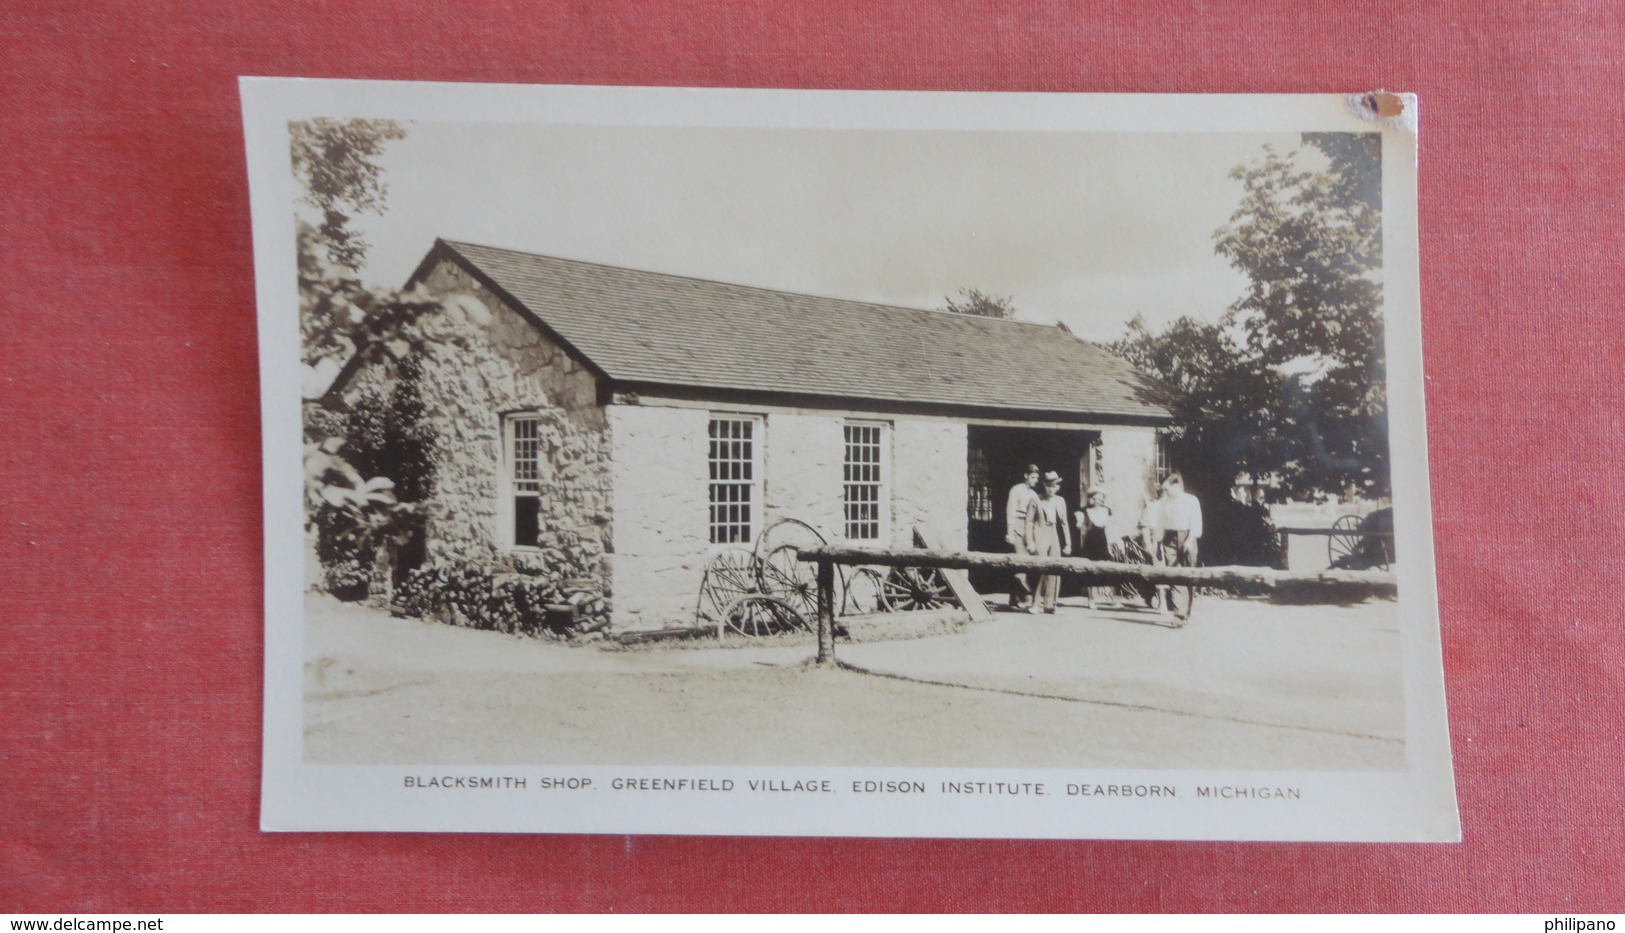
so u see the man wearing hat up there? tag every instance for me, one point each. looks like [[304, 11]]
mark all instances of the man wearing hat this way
[[1048, 536]]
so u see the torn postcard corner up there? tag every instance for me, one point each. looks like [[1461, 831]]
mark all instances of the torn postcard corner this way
[[1396, 111]]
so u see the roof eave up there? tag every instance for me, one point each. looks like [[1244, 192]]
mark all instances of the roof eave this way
[[959, 410]]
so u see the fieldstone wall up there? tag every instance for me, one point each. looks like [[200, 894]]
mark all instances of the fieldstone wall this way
[[509, 367]]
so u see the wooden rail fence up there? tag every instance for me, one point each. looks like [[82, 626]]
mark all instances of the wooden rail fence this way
[[1328, 585]]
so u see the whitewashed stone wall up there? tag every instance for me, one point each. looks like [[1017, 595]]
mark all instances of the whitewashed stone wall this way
[[661, 507], [803, 470], [509, 367], [1128, 456], [661, 494], [930, 484]]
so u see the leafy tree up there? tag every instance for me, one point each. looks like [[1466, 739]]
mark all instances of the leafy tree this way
[[334, 159], [367, 467], [978, 304], [1309, 238], [389, 437], [1226, 422], [1290, 382]]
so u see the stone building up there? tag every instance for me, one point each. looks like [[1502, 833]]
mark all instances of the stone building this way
[[632, 423]]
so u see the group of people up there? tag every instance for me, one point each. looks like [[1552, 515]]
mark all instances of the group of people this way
[[1036, 524]]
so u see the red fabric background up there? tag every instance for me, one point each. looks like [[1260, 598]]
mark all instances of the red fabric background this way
[[130, 554]]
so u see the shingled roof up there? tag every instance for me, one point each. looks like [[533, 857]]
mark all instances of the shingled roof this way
[[654, 329]]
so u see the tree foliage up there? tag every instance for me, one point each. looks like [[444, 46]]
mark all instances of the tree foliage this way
[[367, 460], [1290, 383], [977, 303], [1309, 239], [1310, 242], [389, 438], [335, 161]]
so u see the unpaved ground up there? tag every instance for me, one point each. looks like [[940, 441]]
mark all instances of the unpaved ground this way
[[1246, 685]]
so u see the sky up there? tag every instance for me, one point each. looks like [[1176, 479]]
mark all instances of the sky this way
[[1088, 229]]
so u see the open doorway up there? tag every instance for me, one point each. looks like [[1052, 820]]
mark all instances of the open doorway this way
[[996, 457]]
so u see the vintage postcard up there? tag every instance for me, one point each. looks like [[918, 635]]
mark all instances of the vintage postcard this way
[[844, 463]]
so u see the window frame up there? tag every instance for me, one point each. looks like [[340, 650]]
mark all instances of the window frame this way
[[755, 486], [1161, 457], [883, 485], [510, 486]]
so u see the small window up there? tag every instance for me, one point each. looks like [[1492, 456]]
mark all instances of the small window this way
[[735, 479], [524, 481], [864, 482], [1162, 457]]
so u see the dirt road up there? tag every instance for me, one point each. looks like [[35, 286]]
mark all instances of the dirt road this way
[[1247, 685]]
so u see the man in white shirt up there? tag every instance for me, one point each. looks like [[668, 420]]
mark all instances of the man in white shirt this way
[[1021, 499], [1180, 519]]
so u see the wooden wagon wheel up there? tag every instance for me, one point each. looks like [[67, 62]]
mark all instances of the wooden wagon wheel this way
[[760, 614], [907, 589], [865, 593], [786, 533], [1344, 540], [730, 574], [792, 580], [778, 571]]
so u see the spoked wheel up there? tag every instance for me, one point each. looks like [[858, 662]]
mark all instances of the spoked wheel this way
[[907, 589], [778, 571], [792, 580], [759, 614], [1344, 540], [786, 533], [731, 574], [865, 593]]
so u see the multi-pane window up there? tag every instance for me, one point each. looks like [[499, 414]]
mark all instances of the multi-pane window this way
[[864, 482], [980, 486], [1162, 458], [734, 479], [524, 480]]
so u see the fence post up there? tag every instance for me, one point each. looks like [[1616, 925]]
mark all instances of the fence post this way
[[826, 613]]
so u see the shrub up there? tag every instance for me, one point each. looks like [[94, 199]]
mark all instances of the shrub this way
[[385, 436], [347, 579]]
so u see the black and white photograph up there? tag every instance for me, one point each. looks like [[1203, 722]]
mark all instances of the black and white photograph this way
[[844, 463]]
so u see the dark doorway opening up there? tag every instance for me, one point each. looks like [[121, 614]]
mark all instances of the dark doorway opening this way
[[997, 456]]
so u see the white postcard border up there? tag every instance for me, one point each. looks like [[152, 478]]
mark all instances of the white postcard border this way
[[1414, 805]]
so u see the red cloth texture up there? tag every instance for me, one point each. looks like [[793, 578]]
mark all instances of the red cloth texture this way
[[130, 558]]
